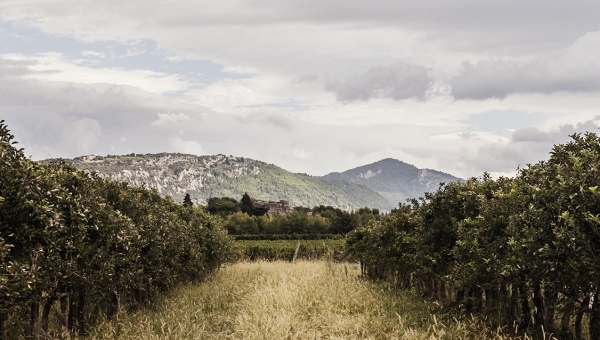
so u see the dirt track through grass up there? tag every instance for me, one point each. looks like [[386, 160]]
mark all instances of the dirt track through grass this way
[[282, 300]]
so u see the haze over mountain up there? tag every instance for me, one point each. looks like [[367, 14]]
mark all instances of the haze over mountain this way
[[393, 179], [203, 177]]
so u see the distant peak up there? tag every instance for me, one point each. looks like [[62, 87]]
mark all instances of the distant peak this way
[[389, 160]]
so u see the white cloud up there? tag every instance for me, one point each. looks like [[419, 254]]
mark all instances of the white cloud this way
[[53, 67], [82, 134], [503, 157], [186, 146], [296, 83], [170, 119], [298, 153], [133, 52], [88, 53], [576, 69], [399, 81]]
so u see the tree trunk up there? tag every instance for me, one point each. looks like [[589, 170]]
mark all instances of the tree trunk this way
[[72, 310], [45, 315], [64, 317], [81, 313], [565, 323], [34, 313], [595, 318], [525, 309], [578, 329], [489, 298], [538, 302], [514, 308], [504, 300], [469, 302], [443, 293], [579, 317], [460, 295], [477, 299], [114, 308], [429, 288], [3, 327], [549, 298]]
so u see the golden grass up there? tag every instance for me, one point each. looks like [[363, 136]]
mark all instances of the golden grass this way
[[282, 300]]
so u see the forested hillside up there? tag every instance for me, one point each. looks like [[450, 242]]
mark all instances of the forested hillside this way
[[227, 176], [395, 180]]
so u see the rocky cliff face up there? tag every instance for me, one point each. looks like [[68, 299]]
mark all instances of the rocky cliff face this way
[[219, 175], [171, 174]]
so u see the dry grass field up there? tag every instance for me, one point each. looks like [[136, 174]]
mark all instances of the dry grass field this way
[[282, 300]]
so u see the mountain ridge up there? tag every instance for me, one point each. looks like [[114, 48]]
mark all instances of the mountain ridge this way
[[176, 174], [381, 184], [394, 179]]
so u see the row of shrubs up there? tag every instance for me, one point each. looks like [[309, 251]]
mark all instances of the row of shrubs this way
[[288, 250], [89, 247], [274, 237], [523, 251]]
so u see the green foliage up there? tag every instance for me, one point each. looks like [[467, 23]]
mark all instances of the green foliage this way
[[319, 220], [94, 246], [222, 206], [342, 221], [256, 250], [523, 250], [273, 237]]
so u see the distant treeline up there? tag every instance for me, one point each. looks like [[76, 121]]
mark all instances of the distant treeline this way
[[243, 218], [276, 237], [285, 250], [89, 247], [524, 251]]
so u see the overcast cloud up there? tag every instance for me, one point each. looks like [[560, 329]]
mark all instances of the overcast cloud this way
[[313, 86], [398, 82], [575, 69]]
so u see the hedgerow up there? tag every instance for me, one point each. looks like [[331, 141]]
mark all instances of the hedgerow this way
[[89, 245], [523, 250]]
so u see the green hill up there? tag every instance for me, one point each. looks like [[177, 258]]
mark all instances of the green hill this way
[[217, 176]]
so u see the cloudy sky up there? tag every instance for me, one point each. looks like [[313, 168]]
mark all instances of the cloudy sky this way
[[312, 86]]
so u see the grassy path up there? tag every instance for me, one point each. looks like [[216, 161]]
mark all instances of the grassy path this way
[[280, 300]]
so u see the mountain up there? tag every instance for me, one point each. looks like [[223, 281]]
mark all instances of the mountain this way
[[394, 179], [217, 176]]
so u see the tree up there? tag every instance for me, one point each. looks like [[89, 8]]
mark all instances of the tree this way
[[560, 232], [223, 206], [187, 201], [91, 245], [247, 206]]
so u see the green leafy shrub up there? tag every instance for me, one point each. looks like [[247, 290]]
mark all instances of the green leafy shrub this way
[[92, 246]]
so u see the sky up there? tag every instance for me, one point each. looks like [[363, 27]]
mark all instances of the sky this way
[[312, 86]]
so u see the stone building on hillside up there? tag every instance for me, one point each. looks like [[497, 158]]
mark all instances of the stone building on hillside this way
[[282, 207]]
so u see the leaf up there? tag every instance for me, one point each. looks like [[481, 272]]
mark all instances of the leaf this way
[[594, 189]]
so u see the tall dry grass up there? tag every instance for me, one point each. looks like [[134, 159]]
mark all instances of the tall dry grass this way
[[282, 300]]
